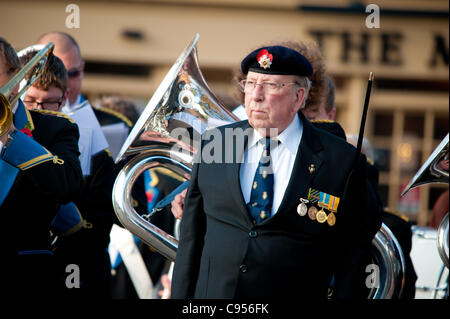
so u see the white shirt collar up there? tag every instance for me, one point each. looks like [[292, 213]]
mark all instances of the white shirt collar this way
[[290, 137], [15, 106], [69, 106]]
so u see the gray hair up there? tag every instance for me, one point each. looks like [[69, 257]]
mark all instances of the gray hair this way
[[305, 83]]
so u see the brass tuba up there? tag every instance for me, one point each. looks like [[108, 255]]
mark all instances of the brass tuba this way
[[167, 135], [34, 67]]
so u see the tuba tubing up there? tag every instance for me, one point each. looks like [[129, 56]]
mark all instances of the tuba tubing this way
[[442, 240], [150, 234], [388, 255]]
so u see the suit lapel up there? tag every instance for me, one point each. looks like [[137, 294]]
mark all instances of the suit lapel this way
[[233, 170], [308, 156]]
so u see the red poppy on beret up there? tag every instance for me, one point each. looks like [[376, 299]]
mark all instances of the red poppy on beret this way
[[264, 59]]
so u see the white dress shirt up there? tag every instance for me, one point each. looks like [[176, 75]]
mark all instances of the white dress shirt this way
[[69, 107], [283, 158]]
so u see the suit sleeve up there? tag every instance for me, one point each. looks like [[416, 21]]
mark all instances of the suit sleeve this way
[[360, 221], [95, 199], [192, 232], [56, 172]]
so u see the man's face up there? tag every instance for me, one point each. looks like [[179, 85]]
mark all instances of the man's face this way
[[274, 110], [75, 71], [51, 100], [318, 112]]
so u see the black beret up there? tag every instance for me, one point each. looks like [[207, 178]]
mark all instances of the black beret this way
[[277, 60]]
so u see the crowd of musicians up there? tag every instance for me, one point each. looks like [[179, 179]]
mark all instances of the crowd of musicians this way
[[296, 222]]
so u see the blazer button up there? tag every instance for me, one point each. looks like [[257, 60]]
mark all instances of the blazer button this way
[[243, 268], [253, 234]]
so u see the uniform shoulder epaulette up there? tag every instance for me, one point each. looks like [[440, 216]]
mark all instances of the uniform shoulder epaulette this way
[[54, 113], [107, 151], [322, 121], [396, 213], [119, 115]]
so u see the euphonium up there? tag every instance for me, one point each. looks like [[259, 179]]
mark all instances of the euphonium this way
[[34, 67], [182, 104]]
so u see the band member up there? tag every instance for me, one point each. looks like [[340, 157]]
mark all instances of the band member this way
[[40, 171], [68, 50], [242, 237], [88, 247]]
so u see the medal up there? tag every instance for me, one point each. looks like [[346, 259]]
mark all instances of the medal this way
[[321, 216], [331, 219], [323, 203], [312, 211], [302, 208]]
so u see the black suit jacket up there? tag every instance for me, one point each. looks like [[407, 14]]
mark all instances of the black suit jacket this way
[[222, 254]]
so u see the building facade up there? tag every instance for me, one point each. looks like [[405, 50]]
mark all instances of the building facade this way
[[129, 46]]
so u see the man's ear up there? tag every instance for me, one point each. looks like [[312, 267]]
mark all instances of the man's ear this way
[[300, 95], [65, 96], [332, 114]]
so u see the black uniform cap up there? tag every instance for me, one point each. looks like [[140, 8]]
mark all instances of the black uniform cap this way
[[277, 60]]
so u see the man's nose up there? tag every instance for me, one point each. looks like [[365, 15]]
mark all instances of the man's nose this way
[[258, 92]]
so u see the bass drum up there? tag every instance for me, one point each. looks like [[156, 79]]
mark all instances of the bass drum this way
[[432, 274]]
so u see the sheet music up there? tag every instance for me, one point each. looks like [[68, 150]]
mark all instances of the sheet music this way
[[92, 140], [115, 134], [84, 145], [85, 117]]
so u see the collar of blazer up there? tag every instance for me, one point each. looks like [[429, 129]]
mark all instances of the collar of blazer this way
[[301, 177]]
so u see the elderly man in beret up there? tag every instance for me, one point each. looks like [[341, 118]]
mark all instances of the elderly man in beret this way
[[271, 222]]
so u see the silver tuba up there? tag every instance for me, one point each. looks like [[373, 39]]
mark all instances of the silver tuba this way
[[167, 135], [434, 170]]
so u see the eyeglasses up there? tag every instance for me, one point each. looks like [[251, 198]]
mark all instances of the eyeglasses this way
[[247, 86], [46, 105], [74, 73]]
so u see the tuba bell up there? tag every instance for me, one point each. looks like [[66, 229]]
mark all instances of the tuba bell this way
[[436, 170], [167, 135], [7, 97]]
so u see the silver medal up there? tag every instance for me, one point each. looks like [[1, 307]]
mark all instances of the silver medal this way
[[302, 209]]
